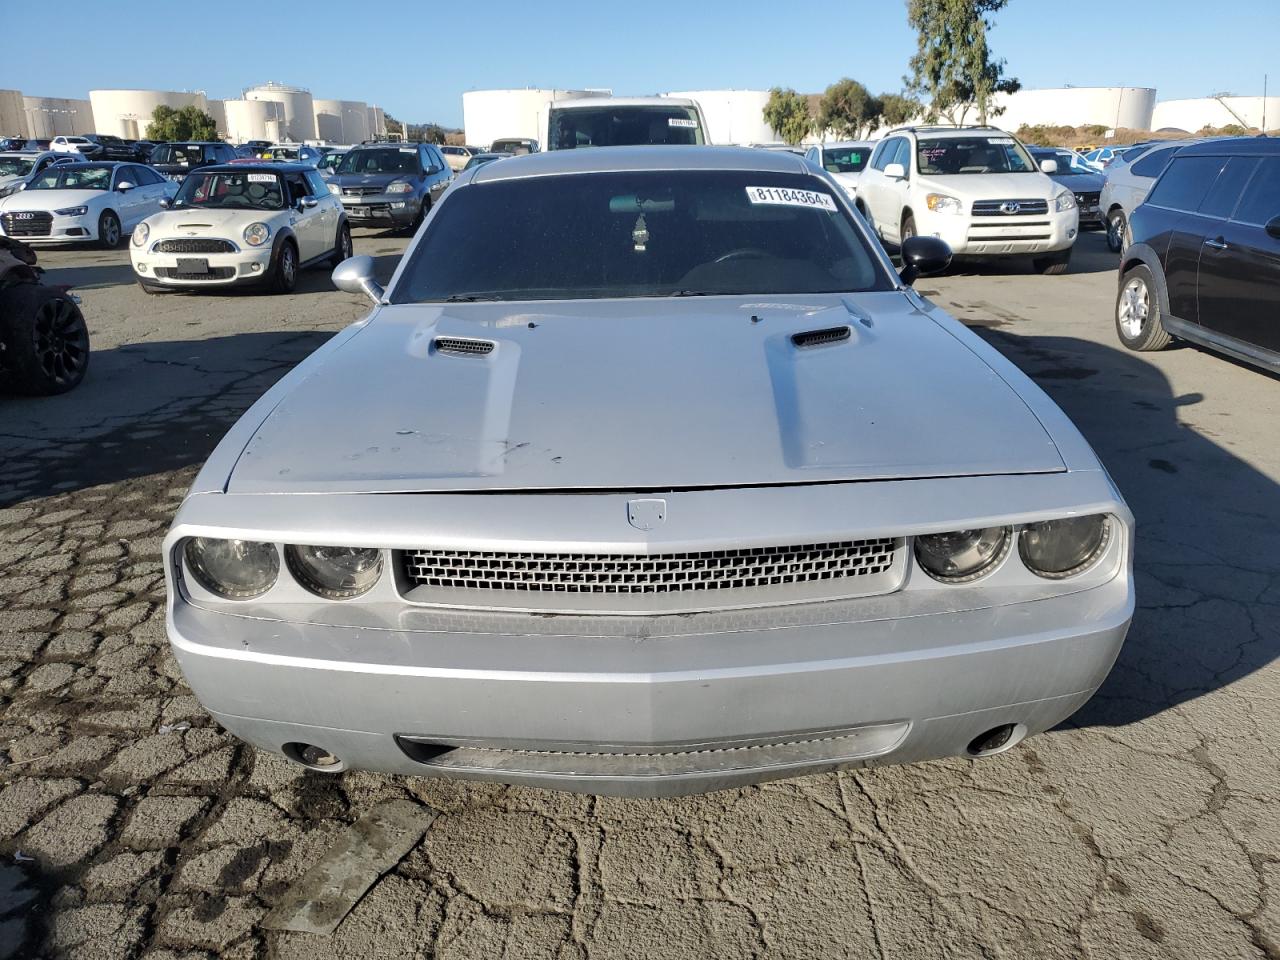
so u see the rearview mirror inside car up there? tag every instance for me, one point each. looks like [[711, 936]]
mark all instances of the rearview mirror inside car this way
[[922, 256]]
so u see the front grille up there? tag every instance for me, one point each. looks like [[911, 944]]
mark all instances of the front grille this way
[[642, 574], [995, 208], [215, 273], [1088, 199], [195, 245], [28, 223], [362, 191]]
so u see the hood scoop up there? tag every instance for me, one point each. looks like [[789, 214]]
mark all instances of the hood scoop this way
[[819, 338], [463, 346]]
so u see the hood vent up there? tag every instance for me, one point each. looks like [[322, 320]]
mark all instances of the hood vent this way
[[818, 338], [460, 346]]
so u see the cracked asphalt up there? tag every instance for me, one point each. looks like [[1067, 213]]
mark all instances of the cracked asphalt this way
[[131, 826]]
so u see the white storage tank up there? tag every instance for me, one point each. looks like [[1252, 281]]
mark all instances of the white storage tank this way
[[253, 120], [341, 121], [48, 117], [377, 122], [13, 117], [217, 110], [733, 116], [328, 120], [299, 109], [1194, 115], [126, 113], [489, 115], [1128, 107]]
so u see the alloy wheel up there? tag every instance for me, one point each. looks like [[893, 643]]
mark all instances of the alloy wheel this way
[[61, 340], [1134, 308]]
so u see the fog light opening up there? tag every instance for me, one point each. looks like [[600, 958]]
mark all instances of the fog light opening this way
[[312, 757], [996, 740]]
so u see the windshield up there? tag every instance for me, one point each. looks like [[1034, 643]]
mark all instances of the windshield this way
[[380, 160], [478, 160], [231, 190], [177, 153], [74, 176], [15, 166], [844, 159], [620, 126], [511, 146], [643, 234], [958, 155]]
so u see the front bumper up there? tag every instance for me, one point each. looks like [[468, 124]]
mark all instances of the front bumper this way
[[247, 265], [62, 230], [970, 236], [764, 694], [398, 209]]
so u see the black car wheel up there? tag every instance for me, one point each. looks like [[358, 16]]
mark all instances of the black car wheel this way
[[342, 248], [908, 229], [284, 277], [1138, 312], [49, 347], [1117, 232], [109, 232]]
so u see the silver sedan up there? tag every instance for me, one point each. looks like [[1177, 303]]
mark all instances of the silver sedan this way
[[647, 474]]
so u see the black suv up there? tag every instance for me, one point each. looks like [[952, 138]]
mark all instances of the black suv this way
[[1205, 261], [113, 148], [176, 160], [390, 184]]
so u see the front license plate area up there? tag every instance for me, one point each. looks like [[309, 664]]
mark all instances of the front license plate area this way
[[193, 267], [362, 212]]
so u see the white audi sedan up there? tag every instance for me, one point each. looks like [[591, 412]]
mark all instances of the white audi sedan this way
[[84, 202], [648, 475]]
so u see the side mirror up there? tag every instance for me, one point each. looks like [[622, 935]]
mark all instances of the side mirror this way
[[1273, 228], [124, 186], [165, 203], [922, 256], [355, 275], [1048, 166], [307, 203], [895, 171]]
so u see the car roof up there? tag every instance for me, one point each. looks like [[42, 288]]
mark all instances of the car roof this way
[[622, 102], [844, 143], [642, 158], [1235, 146], [266, 166]]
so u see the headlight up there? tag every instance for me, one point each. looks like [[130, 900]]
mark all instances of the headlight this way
[[335, 572], [72, 211], [400, 186], [256, 234], [12, 188], [941, 203], [140, 234], [235, 569], [1057, 549], [335, 189], [963, 555], [1064, 202]]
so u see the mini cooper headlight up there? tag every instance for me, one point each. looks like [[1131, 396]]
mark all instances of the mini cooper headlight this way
[[256, 234], [963, 555], [1057, 549], [235, 569], [338, 573], [72, 211], [941, 203], [140, 234], [1064, 201], [400, 186]]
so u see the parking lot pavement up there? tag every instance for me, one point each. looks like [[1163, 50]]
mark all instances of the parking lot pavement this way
[[130, 825]]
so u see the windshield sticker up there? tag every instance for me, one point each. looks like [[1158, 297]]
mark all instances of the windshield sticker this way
[[1002, 141], [681, 122], [262, 178], [791, 198]]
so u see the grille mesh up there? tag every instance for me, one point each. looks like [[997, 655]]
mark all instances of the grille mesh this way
[[195, 245], [28, 224], [991, 208], [631, 574], [215, 273]]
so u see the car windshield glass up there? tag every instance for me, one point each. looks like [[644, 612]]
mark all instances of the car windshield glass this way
[[74, 176], [15, 166], [252, 190], [618, 126], [380, 160], [844, 159], [280, 153], [956, 155], [510, 146], [477, 160], [176, 153], [642, 234]]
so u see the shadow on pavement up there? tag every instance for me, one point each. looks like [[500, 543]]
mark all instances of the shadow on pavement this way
[[1208, 548]]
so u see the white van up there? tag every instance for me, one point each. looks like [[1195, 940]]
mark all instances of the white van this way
[[621, 121]]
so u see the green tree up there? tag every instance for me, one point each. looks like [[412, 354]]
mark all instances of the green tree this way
[[188, 123], [897, 109], [849, 110], [953, 67], [787, 114]]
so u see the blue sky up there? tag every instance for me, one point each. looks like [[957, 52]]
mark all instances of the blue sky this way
[[417, 59]]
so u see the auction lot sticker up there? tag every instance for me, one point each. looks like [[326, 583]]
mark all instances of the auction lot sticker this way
[[261, 178], [784, 196]]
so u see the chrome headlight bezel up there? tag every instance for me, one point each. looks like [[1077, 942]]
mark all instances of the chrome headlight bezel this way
[[257, 233], [988, 545], [1092, 551], [1064, 202], [307, 565], [199, 561], [140, 234]]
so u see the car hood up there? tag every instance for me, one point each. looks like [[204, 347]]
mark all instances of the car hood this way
[[50, 199], [201, 221], [1081, 182], [993, 186], [368, 179], [643, 394]]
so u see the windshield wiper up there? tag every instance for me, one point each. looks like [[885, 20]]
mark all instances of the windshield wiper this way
[[469, 298], [693, 293]]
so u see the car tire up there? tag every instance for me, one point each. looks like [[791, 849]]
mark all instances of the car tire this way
[[109, 231], [151, 288], [342, 248], [908, 230], [1117, 231], [284, 274], [1138, 320], [423, 210], [1054, 265], [49, 344]]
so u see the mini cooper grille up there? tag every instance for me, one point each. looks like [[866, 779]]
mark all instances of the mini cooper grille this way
[[464, 347], [1010, 208], [816, 338], [627, 573], [27, 223], [196, 245], [215, 273]]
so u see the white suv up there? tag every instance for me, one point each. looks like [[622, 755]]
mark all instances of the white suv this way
[[977, 188]]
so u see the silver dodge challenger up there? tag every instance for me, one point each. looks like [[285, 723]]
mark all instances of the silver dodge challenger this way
[[646, 475]]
